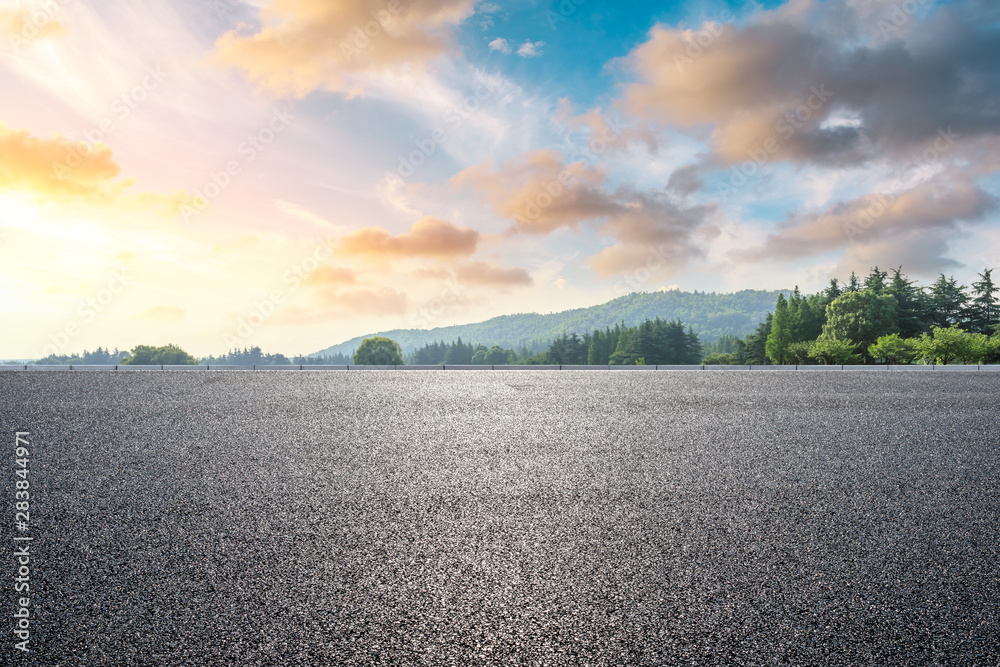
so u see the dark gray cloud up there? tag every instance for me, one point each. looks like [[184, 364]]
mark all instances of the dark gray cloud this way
[[825, 83]]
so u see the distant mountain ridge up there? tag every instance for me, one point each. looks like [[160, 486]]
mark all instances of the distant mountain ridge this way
[[710, 314]]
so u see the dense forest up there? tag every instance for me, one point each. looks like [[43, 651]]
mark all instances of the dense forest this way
[[651, 342], [886, 318], [709, 314]]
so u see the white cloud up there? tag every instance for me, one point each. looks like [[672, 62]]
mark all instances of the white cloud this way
[[530, 49], [500, 44], [485, 13]]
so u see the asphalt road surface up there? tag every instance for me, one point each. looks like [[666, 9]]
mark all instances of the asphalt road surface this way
[[449, 518]]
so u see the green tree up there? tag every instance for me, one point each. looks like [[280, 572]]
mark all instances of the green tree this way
[[540, 359], [378, 351], [693, 348], [496, 356], [912, 303], [167, 355], [991, 353], [943, 345], [833, 351], [798, 353], [875, 282], [781, 333], [597, 354], [948, 302], [719, 359], [833, 290], [861, 317], [982, 309], [725, 344], [569, 349], [980, 349], [812, 317], [893, 349], [459, 354], [753, 347], [657, 341], [603, 344]]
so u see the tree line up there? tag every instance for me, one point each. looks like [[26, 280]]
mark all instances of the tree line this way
[[654, 341], [886, 318], [140, 355], [173, 355], [99, 357], [254, 356]]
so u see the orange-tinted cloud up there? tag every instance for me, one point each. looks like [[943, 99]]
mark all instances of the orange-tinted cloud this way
[[61, 170], [622, 258], [476, 273], [654, 233], [539, 193], [57, 167], [429, 237], [487, 273], [22, 24], [606, 134], [732, 85], [308, 45]]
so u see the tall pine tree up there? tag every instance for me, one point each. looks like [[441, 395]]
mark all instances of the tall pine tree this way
[[780, 337], [948, 302], [982, 309], [911, 302]]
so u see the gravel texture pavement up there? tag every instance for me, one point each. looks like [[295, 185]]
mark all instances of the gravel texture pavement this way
[[508, 518]]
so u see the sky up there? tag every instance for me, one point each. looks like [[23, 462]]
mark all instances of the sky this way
[[293, 173]]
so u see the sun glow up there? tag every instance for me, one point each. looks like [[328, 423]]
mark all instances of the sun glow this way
[[18, 211]]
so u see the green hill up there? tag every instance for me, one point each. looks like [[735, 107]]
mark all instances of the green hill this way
[[710, 314]]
